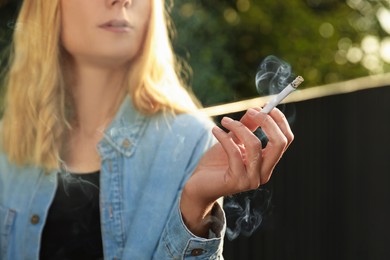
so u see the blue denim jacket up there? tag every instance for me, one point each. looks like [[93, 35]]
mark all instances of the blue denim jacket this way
[[145, 164]]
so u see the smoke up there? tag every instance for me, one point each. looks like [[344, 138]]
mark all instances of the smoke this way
[[73, 184], [246, 211], [272, 76]]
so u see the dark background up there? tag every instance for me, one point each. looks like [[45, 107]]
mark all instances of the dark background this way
[[331, 190]]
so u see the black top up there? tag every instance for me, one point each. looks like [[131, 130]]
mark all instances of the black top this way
[[72, 229]]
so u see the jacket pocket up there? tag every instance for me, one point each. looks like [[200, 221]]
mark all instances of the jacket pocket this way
[[7, 219]]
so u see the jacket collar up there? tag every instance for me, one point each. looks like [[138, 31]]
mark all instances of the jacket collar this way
[[124, 131]]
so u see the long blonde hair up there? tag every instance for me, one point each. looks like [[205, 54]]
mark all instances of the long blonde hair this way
[[35, 118]]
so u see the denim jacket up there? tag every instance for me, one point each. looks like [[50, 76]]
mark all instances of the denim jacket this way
[[145, 164]]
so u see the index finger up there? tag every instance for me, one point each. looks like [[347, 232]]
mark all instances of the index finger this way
[[248, 119]]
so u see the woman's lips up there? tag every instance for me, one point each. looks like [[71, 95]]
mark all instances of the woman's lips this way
[[120, 26]]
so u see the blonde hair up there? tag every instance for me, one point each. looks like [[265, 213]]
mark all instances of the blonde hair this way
[[154, 82], [35, 118]]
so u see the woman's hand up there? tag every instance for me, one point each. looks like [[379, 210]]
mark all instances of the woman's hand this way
[[236, 164]]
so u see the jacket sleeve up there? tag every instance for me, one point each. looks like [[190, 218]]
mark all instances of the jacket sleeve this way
[[177, 242]]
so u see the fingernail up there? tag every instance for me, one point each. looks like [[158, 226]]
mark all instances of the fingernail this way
[[227, 119], [217, 129], [252, 112]]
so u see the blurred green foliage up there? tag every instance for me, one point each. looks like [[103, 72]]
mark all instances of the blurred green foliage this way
[[224, 41]]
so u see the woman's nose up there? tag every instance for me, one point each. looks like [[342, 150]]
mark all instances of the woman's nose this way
[[125, 3]]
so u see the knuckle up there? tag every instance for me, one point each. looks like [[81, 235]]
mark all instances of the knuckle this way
[[265, 179], [238, 124], [253, 182], [282, 142], [254, 185], [255, 144], [282, 116], [248, 186], [290, 137]]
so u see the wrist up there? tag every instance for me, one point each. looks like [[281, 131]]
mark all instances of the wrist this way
[[196, 211]]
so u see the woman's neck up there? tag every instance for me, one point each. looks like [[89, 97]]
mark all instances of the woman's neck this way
[[96, 94]]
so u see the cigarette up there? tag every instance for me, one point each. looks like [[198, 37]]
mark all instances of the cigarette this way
[[282, 95]]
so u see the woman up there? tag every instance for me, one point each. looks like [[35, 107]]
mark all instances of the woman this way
[[103, 151]]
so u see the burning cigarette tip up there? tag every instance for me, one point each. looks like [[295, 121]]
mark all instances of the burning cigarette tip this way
[[297, 81], [284, 93]]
